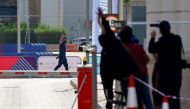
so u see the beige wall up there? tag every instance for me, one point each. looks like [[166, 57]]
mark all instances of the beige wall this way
[[52, 12], [172, 10]]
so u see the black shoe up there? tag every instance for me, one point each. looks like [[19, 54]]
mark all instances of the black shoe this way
[[67, 69], [108, 105]]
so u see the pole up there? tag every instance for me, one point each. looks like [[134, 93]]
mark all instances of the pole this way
[[110, 6], [94, 78], [18, 27], [87, 22], [120, 9], [59, 3]]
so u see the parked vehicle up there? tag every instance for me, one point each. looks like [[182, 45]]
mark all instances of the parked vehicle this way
[[81, 41]]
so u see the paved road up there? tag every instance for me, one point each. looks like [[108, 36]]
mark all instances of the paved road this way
[[36, 94], [55, 93], [185, 89], [42, 93]]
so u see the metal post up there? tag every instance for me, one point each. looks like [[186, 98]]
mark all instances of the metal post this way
[[120, 9], [94, 79], [18, 27], [87, 22], [117, 83], [110, 6], [59, 3]]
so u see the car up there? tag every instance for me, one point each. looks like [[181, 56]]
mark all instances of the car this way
[[81, 41]]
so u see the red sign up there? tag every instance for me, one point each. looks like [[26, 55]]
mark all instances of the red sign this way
[[111, 18], [72, 48]]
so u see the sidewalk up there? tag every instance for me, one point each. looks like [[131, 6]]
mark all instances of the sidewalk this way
[[56, 93], [40, 93]]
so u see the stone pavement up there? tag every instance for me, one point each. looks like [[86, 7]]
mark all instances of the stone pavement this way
[[39, 93], [56, 93]]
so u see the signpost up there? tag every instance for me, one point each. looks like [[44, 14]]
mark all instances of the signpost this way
[[111, 18]]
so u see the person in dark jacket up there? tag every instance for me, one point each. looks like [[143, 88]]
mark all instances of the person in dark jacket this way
[[168, 50], [62, 53], [115, 61]]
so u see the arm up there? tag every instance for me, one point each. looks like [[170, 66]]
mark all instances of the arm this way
[[106, 26], [103, 23], [57, 57], [145, 56], [153, 46]]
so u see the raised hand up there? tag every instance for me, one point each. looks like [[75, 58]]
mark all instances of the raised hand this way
[[153, 34], [100, 13]]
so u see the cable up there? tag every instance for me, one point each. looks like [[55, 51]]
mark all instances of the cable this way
[[80, 88]]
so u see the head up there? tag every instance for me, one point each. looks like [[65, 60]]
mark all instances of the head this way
[[62, 38], [164, 27], [125, 34]]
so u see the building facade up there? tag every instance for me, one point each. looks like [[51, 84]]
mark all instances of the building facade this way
[[175, 11], [134, 12]]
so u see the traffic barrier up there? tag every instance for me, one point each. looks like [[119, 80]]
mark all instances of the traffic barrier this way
[[65, 74], [85, 87], [42, 74], [132, 97], [165, 104], [36, 74], [74, 84]]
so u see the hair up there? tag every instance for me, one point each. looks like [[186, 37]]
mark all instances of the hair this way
[[62, 33], [164, 27], [125, 34]]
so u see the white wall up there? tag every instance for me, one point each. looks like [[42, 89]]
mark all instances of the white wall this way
[[24, 10], [52, 12], [184, 29], [172, 10]]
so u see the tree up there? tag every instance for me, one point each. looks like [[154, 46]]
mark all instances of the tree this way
[[126, 1]]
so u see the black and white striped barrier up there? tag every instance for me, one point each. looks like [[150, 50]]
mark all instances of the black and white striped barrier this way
[[36, 74]]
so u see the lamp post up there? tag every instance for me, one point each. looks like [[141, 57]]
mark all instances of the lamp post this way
[[87, 22], [18, 27], [120, 9]]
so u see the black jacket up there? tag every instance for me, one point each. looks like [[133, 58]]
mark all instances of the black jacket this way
[[114, 58], [169, 51], [62, 50]]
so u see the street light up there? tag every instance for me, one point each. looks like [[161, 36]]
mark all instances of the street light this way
[[87, 22], [76, 31], [18, 27]]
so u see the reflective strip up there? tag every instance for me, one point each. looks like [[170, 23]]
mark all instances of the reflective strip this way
[[19, 73], [42, 73], [64, 73]]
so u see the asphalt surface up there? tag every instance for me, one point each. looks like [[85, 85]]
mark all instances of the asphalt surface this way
[[57, 93]]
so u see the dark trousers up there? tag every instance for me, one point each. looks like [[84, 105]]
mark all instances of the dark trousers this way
[[155, 80], [174, 90], [107, 82], [64, 62]]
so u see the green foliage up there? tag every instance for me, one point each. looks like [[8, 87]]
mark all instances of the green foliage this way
[[48, 34], [126, 1], [42, 33], [11, 28], [45, 28], [8, 32]]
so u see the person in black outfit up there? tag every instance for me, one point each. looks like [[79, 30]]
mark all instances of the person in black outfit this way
[[115, 61], [168, 50], [62, 53]]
